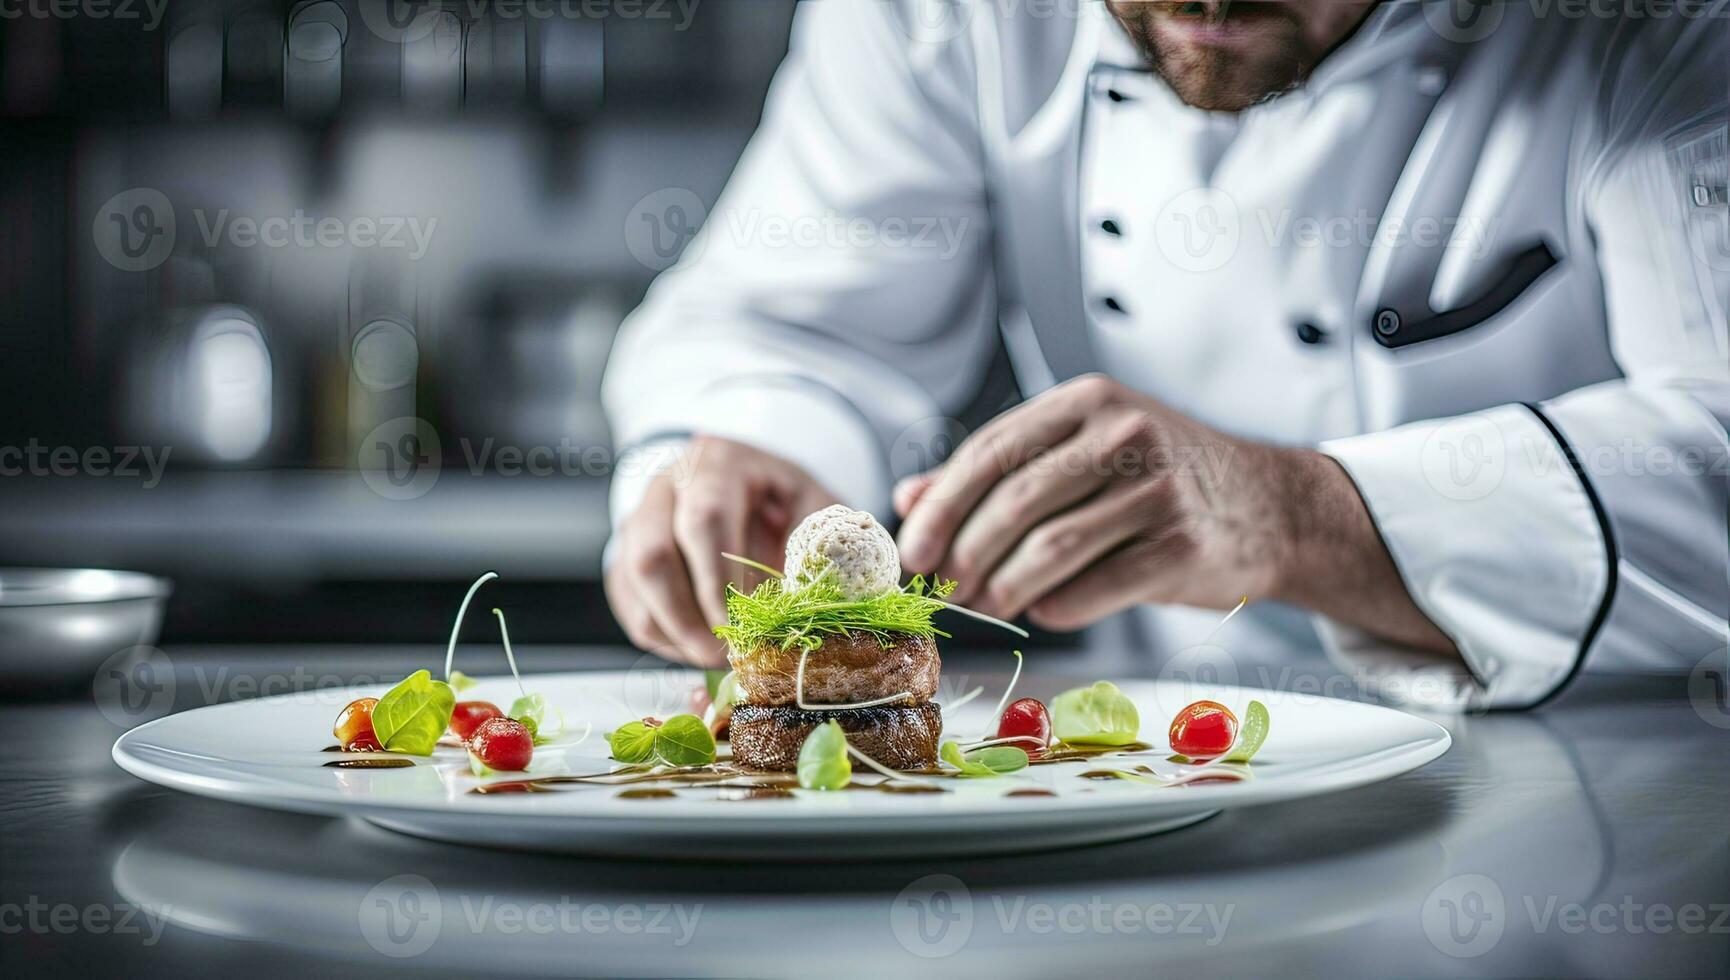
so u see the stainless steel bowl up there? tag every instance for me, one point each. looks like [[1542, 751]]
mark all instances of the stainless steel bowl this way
[[58, 625]]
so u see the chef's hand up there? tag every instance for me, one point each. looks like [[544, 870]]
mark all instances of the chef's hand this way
[[1093, 498], [667, 582]]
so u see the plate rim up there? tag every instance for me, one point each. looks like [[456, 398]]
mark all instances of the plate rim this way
[[1395, 760]]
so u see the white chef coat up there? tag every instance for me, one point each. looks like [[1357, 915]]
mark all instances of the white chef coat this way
[[1489, 275]]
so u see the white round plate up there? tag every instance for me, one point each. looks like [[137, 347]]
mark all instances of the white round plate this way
[[268, 752]]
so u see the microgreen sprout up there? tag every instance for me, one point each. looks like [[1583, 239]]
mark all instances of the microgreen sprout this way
[[753, 563], [510, 658], [965, 699], [1003, 702], [799, 693], [451, 648], [1007, 740], [873, 763]]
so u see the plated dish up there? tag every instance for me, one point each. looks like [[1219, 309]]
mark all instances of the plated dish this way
[[830, 735]]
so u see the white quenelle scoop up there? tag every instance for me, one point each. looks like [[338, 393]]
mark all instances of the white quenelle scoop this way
[[853, 543]]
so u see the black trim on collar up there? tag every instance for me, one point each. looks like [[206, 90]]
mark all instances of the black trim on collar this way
[[1611, 555]]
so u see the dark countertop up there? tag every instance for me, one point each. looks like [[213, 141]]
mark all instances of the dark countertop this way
[[1587, 838]]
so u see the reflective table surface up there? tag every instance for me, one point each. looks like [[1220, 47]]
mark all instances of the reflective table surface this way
[[1591, 837]]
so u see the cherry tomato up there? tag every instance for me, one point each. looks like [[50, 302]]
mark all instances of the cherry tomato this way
[[364, 742], [503, 744], [1203, 730], [1026, 719], [468, 715], [353, 728]]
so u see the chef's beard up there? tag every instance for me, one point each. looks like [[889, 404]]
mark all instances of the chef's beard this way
[[1271, 54]]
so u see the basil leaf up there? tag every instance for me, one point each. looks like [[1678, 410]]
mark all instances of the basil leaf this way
[[994, 760], [1253, 733], [461, 682], [951, 753], [823, 758], [632, 742], [413, 715], [1001, 758], [1097, 715], [684, 740]]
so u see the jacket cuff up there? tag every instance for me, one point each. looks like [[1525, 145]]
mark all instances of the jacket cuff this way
[[1499, 539]]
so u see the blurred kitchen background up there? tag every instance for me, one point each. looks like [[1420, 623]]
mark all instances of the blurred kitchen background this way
[[305, 305]]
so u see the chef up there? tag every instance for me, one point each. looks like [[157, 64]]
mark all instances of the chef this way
[[1405, 320]]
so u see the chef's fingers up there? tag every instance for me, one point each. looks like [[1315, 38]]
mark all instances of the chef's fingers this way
[[765, 541], [656, 573], [634, 617], [1111, 585], [908, 491], [1046, 485], [709, 518], [1058, 550], [1002, 445]]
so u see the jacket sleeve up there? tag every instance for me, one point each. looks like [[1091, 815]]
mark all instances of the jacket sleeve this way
[[1591, 527], [839, 296]]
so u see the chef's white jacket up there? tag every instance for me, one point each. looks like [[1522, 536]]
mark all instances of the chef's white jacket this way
[[1484, 264]]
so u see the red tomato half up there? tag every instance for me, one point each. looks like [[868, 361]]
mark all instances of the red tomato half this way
[[503, 744], [1027, 720], [353, 728], [1203, 730], [468, 716]]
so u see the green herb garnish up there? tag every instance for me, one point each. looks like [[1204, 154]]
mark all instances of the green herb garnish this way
[[769, 615], [1097, 715], [1252, 734], [685, 741], [682, 741], [633, 742], [994, 760], [823, 758], [413, 715]]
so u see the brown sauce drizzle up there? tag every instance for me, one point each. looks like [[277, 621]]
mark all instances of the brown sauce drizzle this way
[[889, 787], [368, 764], [1030, 792], [1077, 753]]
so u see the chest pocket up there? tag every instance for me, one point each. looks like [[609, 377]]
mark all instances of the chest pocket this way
[[1394, 330], [1701, 156]]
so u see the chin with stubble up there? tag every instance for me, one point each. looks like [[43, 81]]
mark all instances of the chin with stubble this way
[[1226, 57]]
